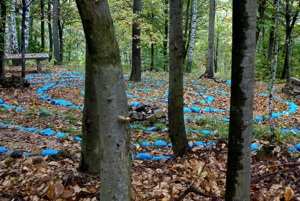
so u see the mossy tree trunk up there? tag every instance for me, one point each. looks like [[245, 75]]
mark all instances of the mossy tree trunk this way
[[175, 99], [106, 137], [241, 105]]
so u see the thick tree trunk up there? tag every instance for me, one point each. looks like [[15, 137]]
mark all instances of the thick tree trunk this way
[[193, 36], [166, 34], [55, 33], [238, 177], [136, 73], [2, 37], [106, 136], [50, 28], [211, 34], [60, 34], [42, 25], [175, 99]]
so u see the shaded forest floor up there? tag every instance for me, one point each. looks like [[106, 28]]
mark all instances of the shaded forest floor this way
[[275, 173]]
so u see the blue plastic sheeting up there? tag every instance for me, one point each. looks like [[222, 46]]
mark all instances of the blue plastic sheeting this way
[[186, 118], [198, 118], [1, 101], [134, 104], [254, 147], [293, 149], [144, 156], [298, 146], [159, 158], [48, 152], [276, 115], [263, 95], [166, 94], [225, 119], [284, 131], [186, 109], [152, 128], [133, 126], [293, 108], [2, 150], [60, 135], [295, 130], [199, 143], [146, 144], [206, 132], [195, 109], [258, 119], [221, 92], [78, 138], [160, 143], [209, 109], [47, 131]]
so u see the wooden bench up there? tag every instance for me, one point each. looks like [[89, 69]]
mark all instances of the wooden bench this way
[[37, 56], [295, 85]]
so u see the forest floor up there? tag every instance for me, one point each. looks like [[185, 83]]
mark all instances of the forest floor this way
[[32, 126]]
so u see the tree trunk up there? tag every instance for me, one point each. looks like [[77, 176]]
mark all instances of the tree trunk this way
[[193, 36], [13, 29], [211, 34], [50, 29], [272, 128], [42, 25], [290, 19], [55, 33], [241, 106], [2, 37], [106, 136], [60, 34], [175, 98], [187, 26], [217, 52], [271, 44], [165, 44], [136, 73], [261, 17], [23, 36]]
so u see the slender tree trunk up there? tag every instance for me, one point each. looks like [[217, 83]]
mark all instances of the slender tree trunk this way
[[2, 37], [271, 44], [152, 57], [211, 34], [193, 36], [238, 177], [55, 33], [136, 72], [106, 135], [61, 40], [290, 20], [165, 44], [42, 25], [50, 29], [23, 36], [217, 52], [13, 29], [7, 37], [272, 128], [175, 98], [261, 16], [26, 23]]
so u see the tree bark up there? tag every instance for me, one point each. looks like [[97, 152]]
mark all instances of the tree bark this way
[[106, 137], [13, 29], [238, 177], [42, 25], [23, 36], [2, 37], [261, 17], [192, 37], [55, 33], [136, 73], [60, 35], [290, 20], [166, 35], [175, 99], [50, 29], [211, 34]]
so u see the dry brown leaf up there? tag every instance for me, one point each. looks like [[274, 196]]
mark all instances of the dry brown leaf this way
[[288, 194]]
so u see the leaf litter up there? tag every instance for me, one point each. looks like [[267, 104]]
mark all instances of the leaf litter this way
[[55, 177]]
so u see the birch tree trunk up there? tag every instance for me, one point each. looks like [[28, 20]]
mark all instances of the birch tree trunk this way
[[7, 37], [13, 29], [193, 36], [238, 177], [26, 23], [49, 16]]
